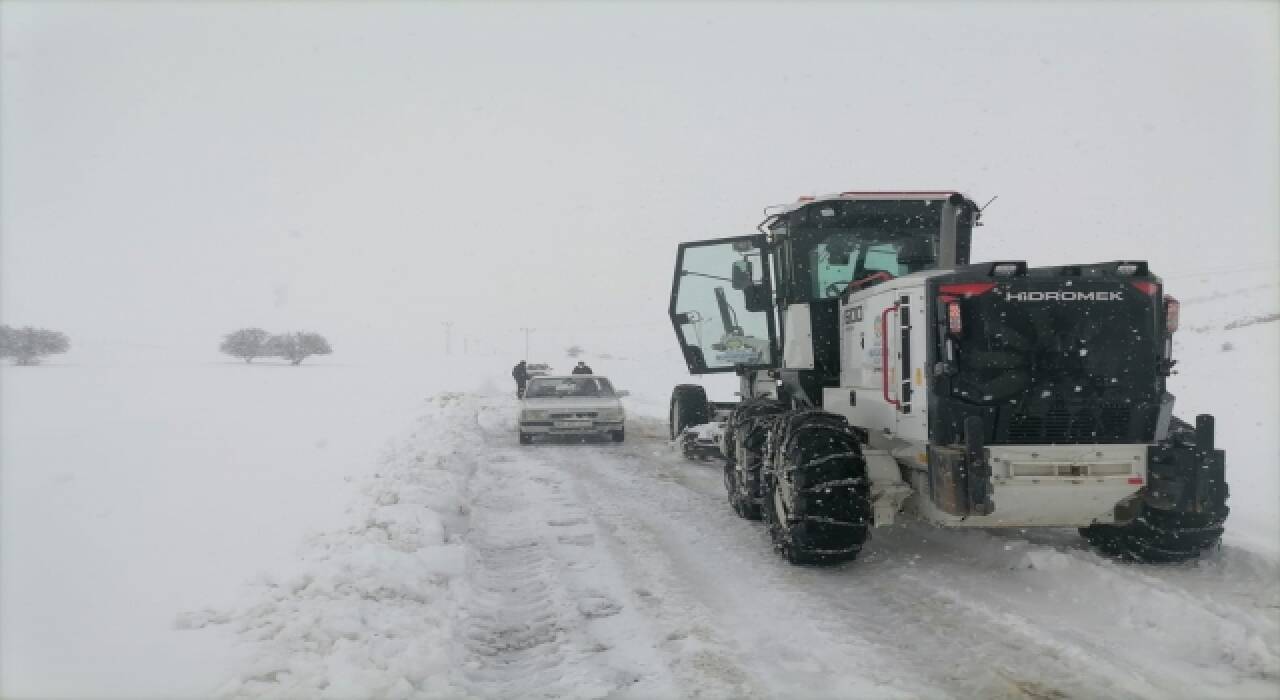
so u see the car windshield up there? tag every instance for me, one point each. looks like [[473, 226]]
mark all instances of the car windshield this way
[[594, 387]]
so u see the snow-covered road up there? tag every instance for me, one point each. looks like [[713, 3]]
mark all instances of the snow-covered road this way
[[482, 568]]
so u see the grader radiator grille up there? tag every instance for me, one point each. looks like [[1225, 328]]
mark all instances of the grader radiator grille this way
[[1072, 424]]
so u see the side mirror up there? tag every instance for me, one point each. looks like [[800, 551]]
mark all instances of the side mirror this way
[[622, 393], [688, 317], [756, 297], [741, 275]]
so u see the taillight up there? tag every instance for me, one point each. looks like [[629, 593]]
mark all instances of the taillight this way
[[1171, 310], [1146, 287], [954, 322]]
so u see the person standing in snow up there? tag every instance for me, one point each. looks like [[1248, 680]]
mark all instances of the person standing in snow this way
[[582, 368], [521, 374]]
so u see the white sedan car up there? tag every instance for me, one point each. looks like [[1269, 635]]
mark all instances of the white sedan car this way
[[538, 370], [578, 405]]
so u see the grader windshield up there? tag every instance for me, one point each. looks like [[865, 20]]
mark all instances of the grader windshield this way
[[826, 245]]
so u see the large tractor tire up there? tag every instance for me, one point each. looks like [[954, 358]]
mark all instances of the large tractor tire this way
[[1167, 536], [745, 437], [742, 505], [1157, 536], [688, 407], [817, 497]]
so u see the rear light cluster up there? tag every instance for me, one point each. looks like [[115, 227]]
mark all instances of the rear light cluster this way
[[1172, 308], [1146, 287], [954, 322], [950, 294]]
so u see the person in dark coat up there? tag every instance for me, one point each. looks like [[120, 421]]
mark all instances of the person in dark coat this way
[[521, 374], [582, 368]]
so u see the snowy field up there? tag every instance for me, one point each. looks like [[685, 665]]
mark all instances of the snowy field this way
[[347, 529]]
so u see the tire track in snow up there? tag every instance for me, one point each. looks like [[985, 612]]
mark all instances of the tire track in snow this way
[[952, 613], [733, 631], [510, 628], [536, 617]]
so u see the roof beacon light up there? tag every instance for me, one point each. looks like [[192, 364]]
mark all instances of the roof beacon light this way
[[1005, 269], [1127, 269]]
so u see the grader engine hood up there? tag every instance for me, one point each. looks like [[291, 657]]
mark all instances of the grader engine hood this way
[[1073, 354]]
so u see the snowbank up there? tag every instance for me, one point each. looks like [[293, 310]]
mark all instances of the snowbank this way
[[369, 613]]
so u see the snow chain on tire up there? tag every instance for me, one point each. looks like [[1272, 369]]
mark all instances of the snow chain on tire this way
[[818, 478], [1163, 536], [745, 437]]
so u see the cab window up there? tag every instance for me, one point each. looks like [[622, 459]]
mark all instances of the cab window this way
[[882, 258]]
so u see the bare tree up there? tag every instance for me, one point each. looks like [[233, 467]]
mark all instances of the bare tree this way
[[246, 343], [27, 346], [296, 347]]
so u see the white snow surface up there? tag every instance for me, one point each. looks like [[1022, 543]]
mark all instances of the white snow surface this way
[[179, 531]]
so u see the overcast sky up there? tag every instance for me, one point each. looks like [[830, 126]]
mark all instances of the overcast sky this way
[[369, 170]]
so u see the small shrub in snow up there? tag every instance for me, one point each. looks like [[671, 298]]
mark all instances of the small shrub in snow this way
[[246, 343], [296, 347], [574, 351], [1228, 346], [27, 346]]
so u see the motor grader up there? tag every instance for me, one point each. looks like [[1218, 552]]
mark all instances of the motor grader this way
[[883, 375]]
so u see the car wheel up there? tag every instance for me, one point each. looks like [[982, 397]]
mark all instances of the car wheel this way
[[526, 439], [618, 435]]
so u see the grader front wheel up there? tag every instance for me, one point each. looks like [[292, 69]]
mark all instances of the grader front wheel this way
[[817, 498]]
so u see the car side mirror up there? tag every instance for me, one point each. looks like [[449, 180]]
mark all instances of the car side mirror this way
[[622, 393], [756, 297], [741, 274]]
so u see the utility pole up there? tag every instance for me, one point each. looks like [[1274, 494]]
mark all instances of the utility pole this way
[[526, 342], [448, 337]]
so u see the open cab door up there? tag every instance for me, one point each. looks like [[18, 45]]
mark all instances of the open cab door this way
[[722, 305]]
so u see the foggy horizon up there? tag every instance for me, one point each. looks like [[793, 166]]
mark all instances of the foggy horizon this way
[[172, 172]]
